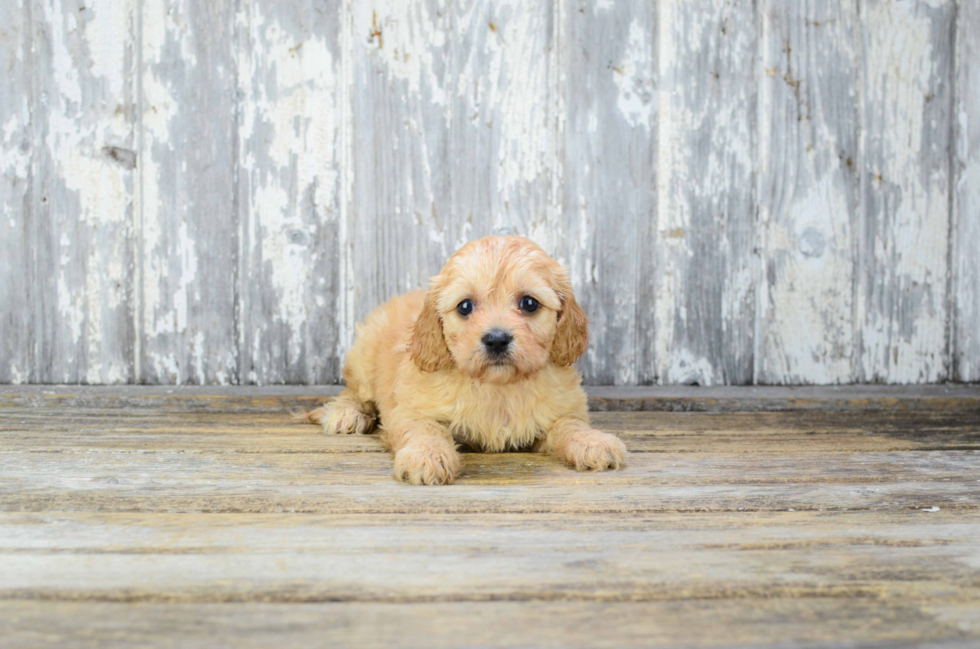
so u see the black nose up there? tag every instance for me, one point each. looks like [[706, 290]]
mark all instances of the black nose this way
[[497, 341]]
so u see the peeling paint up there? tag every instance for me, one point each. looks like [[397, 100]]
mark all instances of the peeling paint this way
[[633, 77], [704, 181], [965, 267], [738, 196], [904, 332], [86, 200], [808, 198]]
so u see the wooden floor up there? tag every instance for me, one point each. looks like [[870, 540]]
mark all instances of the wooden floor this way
[[746, 517]]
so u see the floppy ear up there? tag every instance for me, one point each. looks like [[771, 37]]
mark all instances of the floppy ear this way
[[573, 332], [428, 347]]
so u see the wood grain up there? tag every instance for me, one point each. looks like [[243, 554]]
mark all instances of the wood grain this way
[[507, 121], [189, 226], [902, 307], [289, 177], [16, 227], [401, 82], [856, 399], [705, 196], [216, 193], [158, 515], [316, 558], [452, 138], [148, 480], [158, 429], [609, 173], [965, 268], [795, 623], [84, 142], [809, 203]]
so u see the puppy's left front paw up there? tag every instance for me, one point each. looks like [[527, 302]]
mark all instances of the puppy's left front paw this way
[[594, 450], [427, 464]]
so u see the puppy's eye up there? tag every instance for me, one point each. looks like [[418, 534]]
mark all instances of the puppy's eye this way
[[529, 304], [465, 308]]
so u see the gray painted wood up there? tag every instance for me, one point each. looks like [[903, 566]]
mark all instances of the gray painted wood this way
[[965, 268], [84, 140], [217, 192], [16, 340], [289, 190], [706, 217], [507, 120], [400, 63], [609, 182], [902, 299], [809, 190], [189, 227], [453, 137]]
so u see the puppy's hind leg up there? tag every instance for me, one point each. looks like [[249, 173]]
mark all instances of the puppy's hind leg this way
[[345, 415]]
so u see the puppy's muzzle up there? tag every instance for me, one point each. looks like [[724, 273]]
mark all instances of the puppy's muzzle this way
[[497, 343]]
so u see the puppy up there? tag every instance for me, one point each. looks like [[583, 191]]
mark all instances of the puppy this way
[[483, 359]]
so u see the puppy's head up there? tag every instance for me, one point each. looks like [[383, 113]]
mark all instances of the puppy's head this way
[[500, 310]]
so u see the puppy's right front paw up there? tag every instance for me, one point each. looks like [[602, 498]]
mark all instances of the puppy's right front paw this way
[[427, 464]]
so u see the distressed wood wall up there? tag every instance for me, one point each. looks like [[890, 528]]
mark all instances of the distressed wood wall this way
[[215, 191]]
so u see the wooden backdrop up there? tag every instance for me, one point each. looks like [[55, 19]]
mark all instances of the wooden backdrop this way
[[215, 191]]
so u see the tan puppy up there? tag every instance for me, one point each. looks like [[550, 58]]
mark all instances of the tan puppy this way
[[484, 358]]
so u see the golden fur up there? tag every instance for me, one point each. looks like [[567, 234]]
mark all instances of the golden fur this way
[[422, 368]]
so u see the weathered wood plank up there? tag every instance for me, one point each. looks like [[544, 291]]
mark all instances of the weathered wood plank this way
[[289, 180], [453, 137], [965, 266], [16, 227], [154, 430], [402, 82], [188, 227], [902, 301], [84, 124], [809, 190], [706, 268], [229, 473], [507, 116], [284, 399], [288, 558], [791, 623], [503, 483], [609, 182]]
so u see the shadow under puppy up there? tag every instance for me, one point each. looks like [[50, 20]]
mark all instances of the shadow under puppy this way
[[484, 358]]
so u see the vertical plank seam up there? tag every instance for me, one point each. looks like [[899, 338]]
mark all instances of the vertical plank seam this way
[[345, 307], [648, 219], [137, 278], [760, 238], [239, 266], [651, 376], [859, 260], [132, 115], [754, 189], [451, 86], [655, 378], [952, 203], [33, 340], [556, 102], [453, 91]]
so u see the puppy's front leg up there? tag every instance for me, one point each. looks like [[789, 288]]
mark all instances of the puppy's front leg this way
[[582, 447], [425, 452]]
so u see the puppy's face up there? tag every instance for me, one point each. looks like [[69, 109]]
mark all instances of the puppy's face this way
[[500, 310]]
